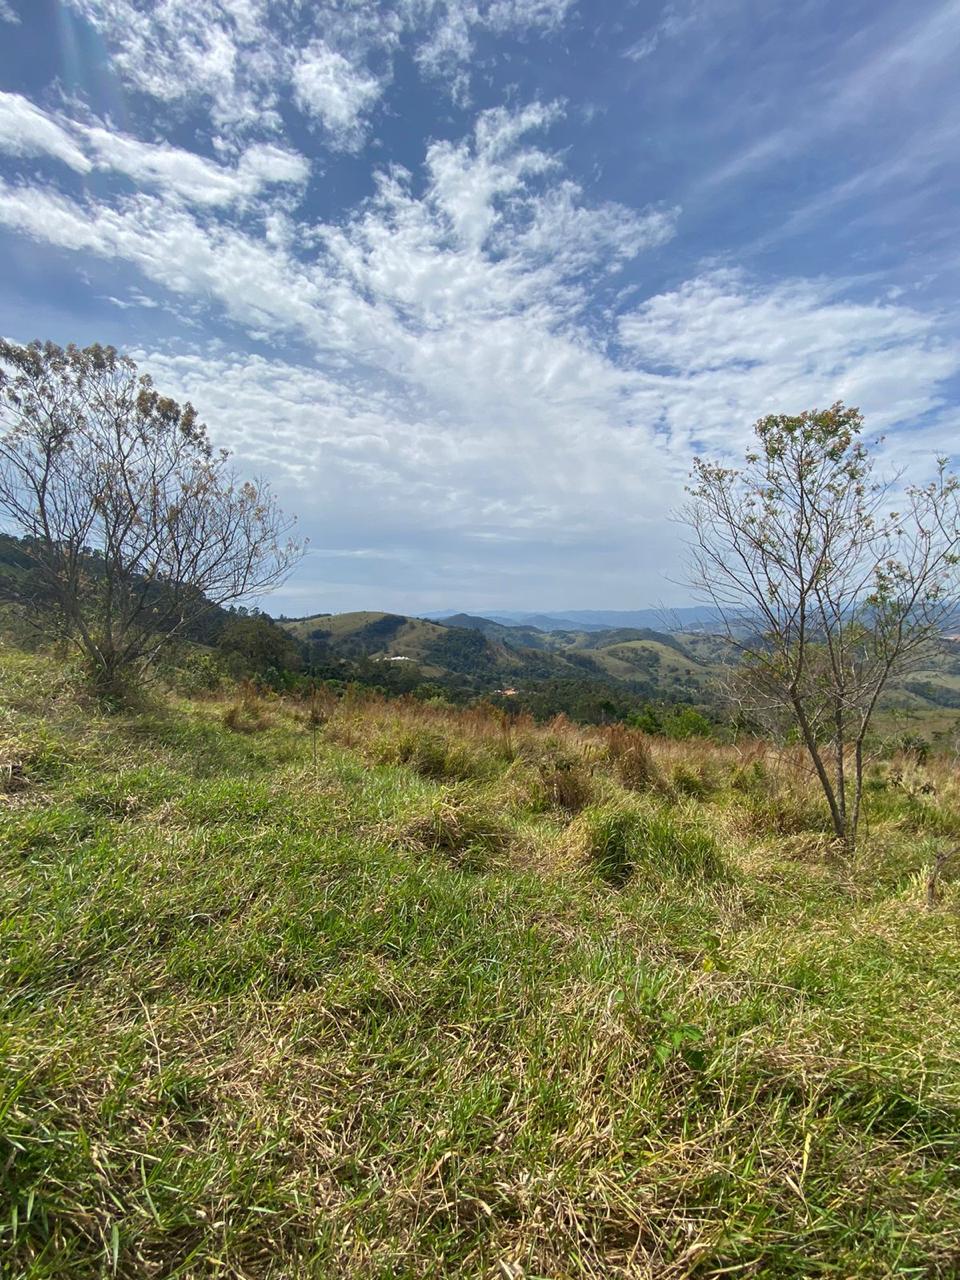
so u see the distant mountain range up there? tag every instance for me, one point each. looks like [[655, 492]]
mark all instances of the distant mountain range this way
[[689, 618]]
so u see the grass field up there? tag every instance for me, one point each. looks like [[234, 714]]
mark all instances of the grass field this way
[[421, 994]]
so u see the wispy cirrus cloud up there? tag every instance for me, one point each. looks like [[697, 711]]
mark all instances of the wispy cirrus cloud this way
[[859, 83], [27, 130]]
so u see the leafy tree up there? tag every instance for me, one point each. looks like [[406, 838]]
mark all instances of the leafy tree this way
[[259, 644], [133, 523], [824, 589], [678, 722]]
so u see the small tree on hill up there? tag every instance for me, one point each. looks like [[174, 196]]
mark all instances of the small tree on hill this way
[[133, 523], [823, 589]]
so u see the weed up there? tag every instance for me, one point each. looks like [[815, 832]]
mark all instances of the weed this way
[[566, 784], [694, 782], [247, 714]]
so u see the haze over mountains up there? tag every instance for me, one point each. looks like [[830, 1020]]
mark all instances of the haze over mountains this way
[[692, 617]]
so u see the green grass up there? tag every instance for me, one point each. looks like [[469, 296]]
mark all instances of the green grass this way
[[390, 1017]]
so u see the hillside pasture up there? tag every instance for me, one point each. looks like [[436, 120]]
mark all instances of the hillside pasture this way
[[379, 989]]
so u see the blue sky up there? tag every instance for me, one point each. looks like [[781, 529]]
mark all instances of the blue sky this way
[[472, 281]]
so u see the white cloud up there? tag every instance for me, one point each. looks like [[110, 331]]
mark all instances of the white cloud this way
[[674, 21], [458, 383], [220, 52], [7, 14], [26, 130], [326, 85], [726, 350], [448, 43], [235, 57], [559, 459], [192, 177], [861, 84]]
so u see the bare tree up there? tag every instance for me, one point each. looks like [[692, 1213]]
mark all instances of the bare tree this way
[[824, 591], [133, 523]]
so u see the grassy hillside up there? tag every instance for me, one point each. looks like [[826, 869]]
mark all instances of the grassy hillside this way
[[432, 995]]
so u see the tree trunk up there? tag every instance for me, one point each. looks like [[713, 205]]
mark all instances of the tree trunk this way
[[839, 824]]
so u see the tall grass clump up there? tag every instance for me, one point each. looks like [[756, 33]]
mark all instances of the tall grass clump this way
[[566, 782], [633, 764], [246, 714], [649, 842], [457, 824], [432, 754]]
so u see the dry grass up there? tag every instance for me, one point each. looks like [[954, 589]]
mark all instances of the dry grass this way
[[247, 713]]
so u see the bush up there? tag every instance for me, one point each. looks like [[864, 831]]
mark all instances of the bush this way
[[622, 842], [678, 722], [199, 673]]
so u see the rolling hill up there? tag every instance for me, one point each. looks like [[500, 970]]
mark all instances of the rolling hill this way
[[487, 655], [585, 670]]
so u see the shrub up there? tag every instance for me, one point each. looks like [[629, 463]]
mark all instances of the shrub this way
[[199, 673], [915, 746], [622, 842], [679, 723]]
